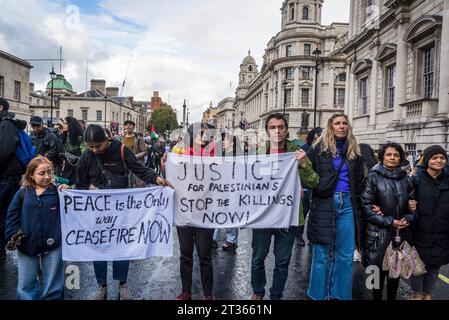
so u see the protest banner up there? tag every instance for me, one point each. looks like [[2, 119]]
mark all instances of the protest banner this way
[[256, 192], [116, 225]]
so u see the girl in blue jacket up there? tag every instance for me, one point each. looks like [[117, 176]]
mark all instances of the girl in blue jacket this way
[[35, 211]]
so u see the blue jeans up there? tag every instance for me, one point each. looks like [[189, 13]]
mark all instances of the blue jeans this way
[[231, 235], [331, 270], [283, 244], [119, 271], [52, 276]]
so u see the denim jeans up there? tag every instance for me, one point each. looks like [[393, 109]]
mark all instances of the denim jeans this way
[[283, 244], [119, 271], [52, 277], [8, 188], [331, 270], [231, 235]]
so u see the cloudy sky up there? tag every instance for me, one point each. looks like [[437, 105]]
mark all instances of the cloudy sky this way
[[186, 49]]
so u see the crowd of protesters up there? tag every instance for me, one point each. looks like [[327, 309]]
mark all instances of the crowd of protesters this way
[[356, 203]]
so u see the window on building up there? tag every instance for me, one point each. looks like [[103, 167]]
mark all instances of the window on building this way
[[363, 96], [289, 73], [57, 114], [428, 71], [31, 100], [45, 103], [411, 149], [289, 98], [342, 77], [292, 11], [306, 72], [391, 78], [339, 97], [17, 89], [288, 50], [70, 113], [305, 13], [250, 68], [99, 115], [45, 114], [32, 113], [307, 49], [2, 87], [84, 114], [38, 101], [305, 97]]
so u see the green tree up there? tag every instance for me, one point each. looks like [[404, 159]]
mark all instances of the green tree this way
[[164, 118]]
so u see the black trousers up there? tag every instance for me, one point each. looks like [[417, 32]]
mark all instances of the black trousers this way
[[392, 287], [190, 237], [8, 188]]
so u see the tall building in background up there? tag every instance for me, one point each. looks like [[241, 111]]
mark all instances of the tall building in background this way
[[398, 88], [286, 80], [15, 84]]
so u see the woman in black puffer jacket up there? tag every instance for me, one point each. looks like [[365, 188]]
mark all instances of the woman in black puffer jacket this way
[[431, 233], [387, 187]]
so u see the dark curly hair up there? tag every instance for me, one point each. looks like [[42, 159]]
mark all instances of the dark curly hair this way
[[390, 144], [75, 130]]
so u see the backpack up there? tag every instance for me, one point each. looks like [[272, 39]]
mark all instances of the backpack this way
[[25, 151]]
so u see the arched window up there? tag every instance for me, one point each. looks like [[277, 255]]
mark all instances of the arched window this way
[[305, 13], [292, 11], [250, 68]]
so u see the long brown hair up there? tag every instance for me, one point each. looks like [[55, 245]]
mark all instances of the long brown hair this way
[[329, 144], [27, 181]]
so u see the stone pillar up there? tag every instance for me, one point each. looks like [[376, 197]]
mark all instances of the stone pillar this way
[[331, 93], [351, 84], [352, 21], [296, 88], [373, 94], [401, 71], [443, 103], [279, 105], [348, 86]]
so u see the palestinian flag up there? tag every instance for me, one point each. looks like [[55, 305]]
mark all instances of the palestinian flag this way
[[153, 133]]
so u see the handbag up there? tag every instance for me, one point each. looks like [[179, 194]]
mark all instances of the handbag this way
[[326, 189], [402, 260]]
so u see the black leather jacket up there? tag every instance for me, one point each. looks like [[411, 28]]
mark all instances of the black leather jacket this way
[[390, 191]]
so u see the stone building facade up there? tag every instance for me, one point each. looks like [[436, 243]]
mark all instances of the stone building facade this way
[[14, 84], [286, 79], [226, 115], [397, 87]]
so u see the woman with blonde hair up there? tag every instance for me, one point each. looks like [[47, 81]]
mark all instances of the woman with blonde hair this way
[[34, 213], [333, 226]]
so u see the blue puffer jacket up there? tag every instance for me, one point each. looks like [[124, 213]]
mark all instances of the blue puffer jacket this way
[[39, 219]]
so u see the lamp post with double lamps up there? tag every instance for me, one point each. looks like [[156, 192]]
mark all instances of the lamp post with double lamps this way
[[317, 54]]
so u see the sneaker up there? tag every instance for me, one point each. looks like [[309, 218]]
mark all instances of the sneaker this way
[[214, 244], [101, 294], [123, 292], [256, 297], [427, 297], [357, 256], [417, 296], [208, 296], [184, 296], [230, 246]]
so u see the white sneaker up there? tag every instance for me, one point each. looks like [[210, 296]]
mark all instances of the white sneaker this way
[[357, 256], [101, 294], [123, 293]]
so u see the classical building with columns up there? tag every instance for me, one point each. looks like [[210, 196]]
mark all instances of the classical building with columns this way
[[286, 80], [397, 87]]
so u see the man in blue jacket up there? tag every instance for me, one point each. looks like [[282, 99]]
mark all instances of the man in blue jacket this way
[[10, 168]]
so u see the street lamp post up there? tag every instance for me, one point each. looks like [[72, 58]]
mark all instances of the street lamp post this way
[[284, 84], [105, 102], [52, 76], [317, 54]]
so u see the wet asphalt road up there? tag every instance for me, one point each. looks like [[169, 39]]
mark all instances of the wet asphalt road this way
[[159, 279]]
